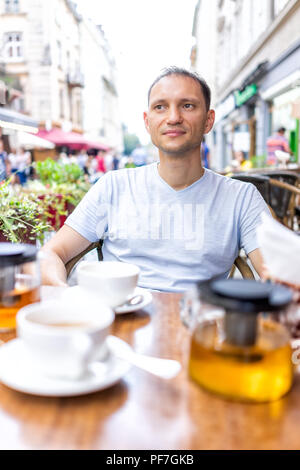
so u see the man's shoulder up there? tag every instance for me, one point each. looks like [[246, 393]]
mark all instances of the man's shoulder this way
[[222, 179], [226, 183]]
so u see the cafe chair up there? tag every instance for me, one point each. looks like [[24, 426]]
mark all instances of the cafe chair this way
[[283, 202], [279, 191], [283, 198], [239, 263], [70, 265]]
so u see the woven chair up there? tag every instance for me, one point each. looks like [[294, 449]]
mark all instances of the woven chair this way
[[70, 265], [239, 263], [283, 193]]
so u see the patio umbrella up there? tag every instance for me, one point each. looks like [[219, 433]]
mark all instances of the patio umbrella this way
[[69, 139], [30, 141], [60, 138]]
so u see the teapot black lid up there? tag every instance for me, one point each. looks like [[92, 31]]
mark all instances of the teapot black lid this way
[[245, 296], [12, 254]]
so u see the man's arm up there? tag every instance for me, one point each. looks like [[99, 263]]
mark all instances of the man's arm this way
[[257, 261], [65, 244]]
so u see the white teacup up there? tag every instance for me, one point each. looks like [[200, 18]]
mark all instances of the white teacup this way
[[61, 338], [112, 282]]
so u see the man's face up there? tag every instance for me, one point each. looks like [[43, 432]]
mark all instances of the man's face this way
[[177, 116]]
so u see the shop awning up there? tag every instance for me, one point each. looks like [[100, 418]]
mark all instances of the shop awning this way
[[17, 121], [97, 145], [70, 139], [30, 141]]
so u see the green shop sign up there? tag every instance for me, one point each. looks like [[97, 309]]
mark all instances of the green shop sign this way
[[241, 97]]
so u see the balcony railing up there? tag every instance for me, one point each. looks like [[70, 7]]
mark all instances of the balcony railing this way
[[75, 79]]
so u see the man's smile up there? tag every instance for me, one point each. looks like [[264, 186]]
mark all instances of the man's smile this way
[[174, 133]]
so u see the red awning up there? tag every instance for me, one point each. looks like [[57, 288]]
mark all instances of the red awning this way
[[70, 139]]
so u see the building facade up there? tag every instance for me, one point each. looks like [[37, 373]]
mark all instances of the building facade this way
[[257, 81], [205, 50], [101, 117], [58, 58]]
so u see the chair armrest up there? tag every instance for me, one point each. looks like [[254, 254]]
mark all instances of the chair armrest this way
[[72, 262], [244, 268], [286, 186]]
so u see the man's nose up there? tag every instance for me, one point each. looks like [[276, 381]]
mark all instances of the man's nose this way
[[174, 116]]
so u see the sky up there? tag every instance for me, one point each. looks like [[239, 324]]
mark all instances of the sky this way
[[145, 36]]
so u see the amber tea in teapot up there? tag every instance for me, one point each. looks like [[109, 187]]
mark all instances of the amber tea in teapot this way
[[236, 350]]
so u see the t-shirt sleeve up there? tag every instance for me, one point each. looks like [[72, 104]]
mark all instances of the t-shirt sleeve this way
[[254, 205], [89, 218]]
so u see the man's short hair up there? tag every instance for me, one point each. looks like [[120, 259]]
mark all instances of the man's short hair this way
[[185, 73], [282, 129]]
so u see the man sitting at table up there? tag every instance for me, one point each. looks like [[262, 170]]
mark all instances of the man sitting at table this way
[[180, 223]]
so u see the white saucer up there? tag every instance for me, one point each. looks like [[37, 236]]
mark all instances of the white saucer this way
[[17, 373], [71, 292], [147, 299]]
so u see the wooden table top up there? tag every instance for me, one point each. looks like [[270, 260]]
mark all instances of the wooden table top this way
[[144, 412]]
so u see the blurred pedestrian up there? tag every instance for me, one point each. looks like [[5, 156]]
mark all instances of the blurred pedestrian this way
[[3, 162], [130, 163], [108, 161], [101, 162], [12, 158], [139, 156], [205, 154], [241, 163], [278, 141], [23, 160], [82, 158], [116, 162]]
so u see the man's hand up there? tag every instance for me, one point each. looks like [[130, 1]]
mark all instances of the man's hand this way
[[257, 261]]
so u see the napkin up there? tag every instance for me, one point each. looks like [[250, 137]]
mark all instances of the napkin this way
[[280, 249]]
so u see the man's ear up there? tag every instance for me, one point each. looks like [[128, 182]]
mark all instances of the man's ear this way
[[146, 121], [210, 120]]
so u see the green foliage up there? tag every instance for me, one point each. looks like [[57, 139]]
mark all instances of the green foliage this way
[[26, 213], [258, 161], [131, 141], [21, 217], [49, 171]]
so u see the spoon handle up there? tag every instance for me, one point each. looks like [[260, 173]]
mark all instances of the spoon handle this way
[[163, 368]]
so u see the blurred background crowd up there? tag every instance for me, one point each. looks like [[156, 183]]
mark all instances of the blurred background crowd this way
[[71, 75]]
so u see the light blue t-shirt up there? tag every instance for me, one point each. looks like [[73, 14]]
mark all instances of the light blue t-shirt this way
[[176, 237]]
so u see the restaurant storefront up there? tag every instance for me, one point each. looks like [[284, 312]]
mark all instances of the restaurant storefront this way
[[280, 89], [236, 127]]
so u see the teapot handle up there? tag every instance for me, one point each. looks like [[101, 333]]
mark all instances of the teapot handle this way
[[189, 306]]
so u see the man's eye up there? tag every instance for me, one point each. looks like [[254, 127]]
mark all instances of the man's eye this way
[[159, 107], [188, 105]]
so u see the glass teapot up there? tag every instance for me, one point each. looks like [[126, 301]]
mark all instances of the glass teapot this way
[[238, 349], [19, 281]]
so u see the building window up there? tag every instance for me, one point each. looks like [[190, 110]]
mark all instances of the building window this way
[[59, 54], [12, 6], [61, 104], [13, 45]]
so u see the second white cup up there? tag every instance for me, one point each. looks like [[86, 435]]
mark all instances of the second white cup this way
[[112, 282]]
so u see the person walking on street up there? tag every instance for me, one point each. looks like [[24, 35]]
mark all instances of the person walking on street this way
[[205, 154], [101, 162], [23, 160], [3, 162]]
